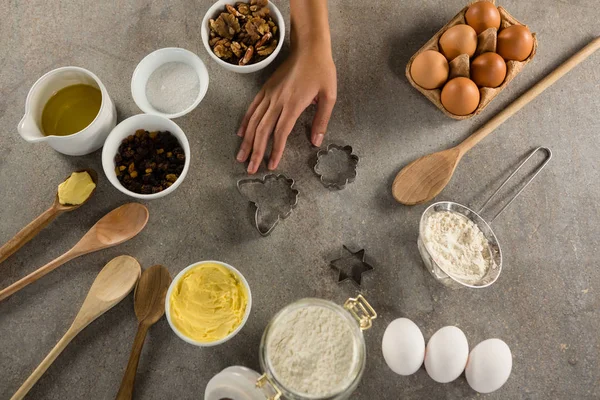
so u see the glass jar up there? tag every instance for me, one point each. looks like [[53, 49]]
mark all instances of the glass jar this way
[[249, 385]]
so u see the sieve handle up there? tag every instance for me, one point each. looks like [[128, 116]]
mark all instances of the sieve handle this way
[[537, 171], [529, 95]]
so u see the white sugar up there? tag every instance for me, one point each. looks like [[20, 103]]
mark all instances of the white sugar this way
[[173, 87]]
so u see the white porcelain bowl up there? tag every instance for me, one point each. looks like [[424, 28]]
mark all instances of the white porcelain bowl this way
[[151, 63], [128, 127], [226, 338], [214, 12]]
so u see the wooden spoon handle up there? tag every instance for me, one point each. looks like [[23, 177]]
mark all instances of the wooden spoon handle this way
[[34, 276], [126, 389], [39, 371], [29, 232], [529, 95]]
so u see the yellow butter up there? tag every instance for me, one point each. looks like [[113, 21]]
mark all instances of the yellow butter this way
[[76, 189], [208, 302]]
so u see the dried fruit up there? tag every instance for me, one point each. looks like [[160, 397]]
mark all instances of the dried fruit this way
[[244, 34], [149, 162]]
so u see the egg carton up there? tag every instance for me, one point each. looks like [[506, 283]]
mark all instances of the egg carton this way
[[486, 42]]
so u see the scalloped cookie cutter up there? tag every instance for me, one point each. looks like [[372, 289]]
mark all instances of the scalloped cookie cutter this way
[[274, 198], [336, 166]]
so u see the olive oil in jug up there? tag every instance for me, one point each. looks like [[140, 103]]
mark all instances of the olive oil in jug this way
[[71, 110]]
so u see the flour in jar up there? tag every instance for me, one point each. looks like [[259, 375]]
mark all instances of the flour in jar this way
[[312, 351], [458, 246]]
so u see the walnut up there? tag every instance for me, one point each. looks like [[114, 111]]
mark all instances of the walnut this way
[[236, 48], [267, 50], [262, 13], [226, 26], [243, 8], [248, 56], [243, 33], [264, 39], [222, 51], [254, 28], [234, 12], [223, 42]]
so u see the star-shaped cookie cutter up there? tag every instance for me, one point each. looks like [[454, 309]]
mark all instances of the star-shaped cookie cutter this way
[[351, 267], [262, 229], [340, 178]]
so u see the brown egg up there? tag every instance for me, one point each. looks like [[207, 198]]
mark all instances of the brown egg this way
[[488, 70], [429, 69], [457, 40], [483, 15], [515, 43], [460, 96]]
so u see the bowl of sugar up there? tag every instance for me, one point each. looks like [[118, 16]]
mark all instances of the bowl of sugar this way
[[169, 82]]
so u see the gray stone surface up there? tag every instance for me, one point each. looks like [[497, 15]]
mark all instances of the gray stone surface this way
[[546, 304]]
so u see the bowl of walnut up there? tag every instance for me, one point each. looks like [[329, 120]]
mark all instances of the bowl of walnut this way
[[241, 36]]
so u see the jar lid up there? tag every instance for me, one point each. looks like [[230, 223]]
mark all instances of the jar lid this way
[[236, 383]]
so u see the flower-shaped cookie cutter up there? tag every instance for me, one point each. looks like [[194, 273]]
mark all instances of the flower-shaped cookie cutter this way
[[273, 196], [336, 166]]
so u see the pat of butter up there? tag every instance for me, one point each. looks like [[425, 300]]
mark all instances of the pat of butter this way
[[208, 303], [76, 189]]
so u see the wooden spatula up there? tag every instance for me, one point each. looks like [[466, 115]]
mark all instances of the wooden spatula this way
[[149, 306], [112, 284], [426, 177]]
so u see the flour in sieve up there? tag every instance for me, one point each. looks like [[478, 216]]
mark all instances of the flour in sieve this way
[[457, 245], [173, 87], [312, 352]]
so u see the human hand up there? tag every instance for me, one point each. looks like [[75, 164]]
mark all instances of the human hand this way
[[307, 76]]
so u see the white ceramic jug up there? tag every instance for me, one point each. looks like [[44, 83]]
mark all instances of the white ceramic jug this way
[[83, 142]]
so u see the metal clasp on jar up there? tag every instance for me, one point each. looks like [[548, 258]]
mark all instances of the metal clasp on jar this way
[[265, 382], [362, 311]]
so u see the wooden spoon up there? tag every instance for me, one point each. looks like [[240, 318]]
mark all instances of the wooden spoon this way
[[112, 284], [149, 305], [426, 177], [35, 226], [116, 227]]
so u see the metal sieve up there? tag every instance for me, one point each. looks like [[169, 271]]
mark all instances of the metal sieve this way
[[493, 272]]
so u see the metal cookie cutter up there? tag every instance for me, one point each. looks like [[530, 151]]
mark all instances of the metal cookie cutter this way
[[351, 267], [336, 166], [495, 253], [274, 198]]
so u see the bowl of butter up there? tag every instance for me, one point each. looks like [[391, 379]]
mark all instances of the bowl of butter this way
[[208, 303]]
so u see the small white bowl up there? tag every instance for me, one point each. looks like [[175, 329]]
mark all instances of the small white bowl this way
[[128, 127], [226, 338], [151, 63], [214, 12]]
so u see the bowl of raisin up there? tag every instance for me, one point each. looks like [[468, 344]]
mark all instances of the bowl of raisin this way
[[146, 156]]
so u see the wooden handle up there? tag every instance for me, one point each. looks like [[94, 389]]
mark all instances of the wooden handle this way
[[39, 371], [34, 276], [126, 389], [29, 232], [529, 95]]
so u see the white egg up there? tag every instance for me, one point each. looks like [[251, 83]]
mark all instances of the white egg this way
[[447, 354], [403, 346], [489, 366]]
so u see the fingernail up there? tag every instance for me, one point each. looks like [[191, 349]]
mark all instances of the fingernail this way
[[319, 139], [240, 155], [251, 167], [239, 132], [272, 164]]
